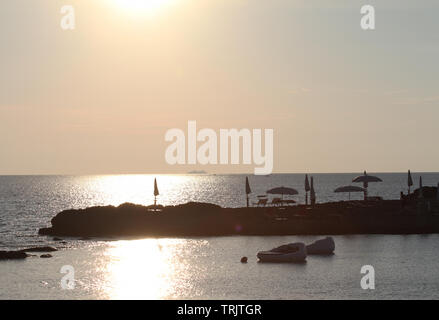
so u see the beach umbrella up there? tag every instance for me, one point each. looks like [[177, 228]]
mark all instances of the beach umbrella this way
[[247, 188], [283, 190], [313, 193], [349, 189], [409, 180], [365, 179], [156, 191], [307, 188]]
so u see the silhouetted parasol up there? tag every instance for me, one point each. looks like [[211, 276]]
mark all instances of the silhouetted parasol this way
[[313, 192], [283, 190], [307, 188], [409, 180], [156, 191], [365, 178], [247, 188], [349, 189]]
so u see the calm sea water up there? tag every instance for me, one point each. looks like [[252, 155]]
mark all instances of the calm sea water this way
[[202, 268]]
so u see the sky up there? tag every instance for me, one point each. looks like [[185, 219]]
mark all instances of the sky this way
[[99, 99]]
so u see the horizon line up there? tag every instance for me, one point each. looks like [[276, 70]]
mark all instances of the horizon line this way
[[202, 174]]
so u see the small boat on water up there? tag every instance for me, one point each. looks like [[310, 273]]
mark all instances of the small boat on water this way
[[323, 247], [292, 252]]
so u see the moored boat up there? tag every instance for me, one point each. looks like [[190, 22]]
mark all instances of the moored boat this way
[[292, 252], [323, 247]]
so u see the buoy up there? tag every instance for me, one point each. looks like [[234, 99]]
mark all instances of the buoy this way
[[244, 260]]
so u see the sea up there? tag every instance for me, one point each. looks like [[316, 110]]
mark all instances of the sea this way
[[404, 266]]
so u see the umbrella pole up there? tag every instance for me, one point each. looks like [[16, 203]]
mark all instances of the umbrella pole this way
[[306, 198], [247, 201]]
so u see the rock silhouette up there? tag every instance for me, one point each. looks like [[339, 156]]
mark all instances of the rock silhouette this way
[[12, 255], [39, 249], [204, 219]]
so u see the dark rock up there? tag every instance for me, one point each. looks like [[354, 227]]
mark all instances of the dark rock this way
[[244, 260], [46, 256], [7, 255], [204, 219], [57, 239], [39, 249], [45, 231]]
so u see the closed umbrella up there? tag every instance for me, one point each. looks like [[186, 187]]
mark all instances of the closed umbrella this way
[[349, 189], [421, 195], [437, 192], [156, 191], [313, 192], [307, 188], [409, 180], [247, 188]]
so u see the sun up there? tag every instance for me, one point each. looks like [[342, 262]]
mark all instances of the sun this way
[[142, 7]]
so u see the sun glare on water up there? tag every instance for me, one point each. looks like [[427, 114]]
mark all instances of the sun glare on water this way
[[150, 269], [142, 7]]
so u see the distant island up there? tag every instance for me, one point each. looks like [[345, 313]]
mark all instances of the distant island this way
[[408, 216], [197, 172]]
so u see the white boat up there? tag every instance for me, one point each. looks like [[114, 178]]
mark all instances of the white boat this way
[[323, 246], [293, 252]]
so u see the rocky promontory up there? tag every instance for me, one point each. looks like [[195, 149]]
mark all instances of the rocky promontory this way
[[204, 219]]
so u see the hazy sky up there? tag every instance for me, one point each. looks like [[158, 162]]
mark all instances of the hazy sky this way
[[99, 99]]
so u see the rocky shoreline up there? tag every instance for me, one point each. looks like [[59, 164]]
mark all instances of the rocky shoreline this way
[[23, 254], [204, 219]]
